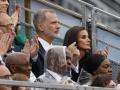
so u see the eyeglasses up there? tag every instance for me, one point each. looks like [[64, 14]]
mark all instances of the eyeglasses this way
[[6, 76], [8, 26]]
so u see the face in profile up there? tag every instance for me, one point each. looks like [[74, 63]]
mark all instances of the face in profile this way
[[59, 60], [6, 24], [104, 68], [23, 65], [83, 40], [51, 25], [24, 68]]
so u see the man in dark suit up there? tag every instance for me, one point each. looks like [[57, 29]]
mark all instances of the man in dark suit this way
[[47, 28]]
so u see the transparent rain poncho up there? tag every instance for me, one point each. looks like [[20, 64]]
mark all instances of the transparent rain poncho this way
[[58, 60], [57, 66]]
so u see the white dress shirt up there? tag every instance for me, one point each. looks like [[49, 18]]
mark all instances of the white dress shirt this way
[[44, 44]]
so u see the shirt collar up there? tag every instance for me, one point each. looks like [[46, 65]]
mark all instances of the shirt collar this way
[[55, 75], [44, 44]]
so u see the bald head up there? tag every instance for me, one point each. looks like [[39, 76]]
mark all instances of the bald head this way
[[16, 58], [18, 62]]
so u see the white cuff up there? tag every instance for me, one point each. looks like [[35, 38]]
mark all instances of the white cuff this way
[[35, 58], [75, 68]]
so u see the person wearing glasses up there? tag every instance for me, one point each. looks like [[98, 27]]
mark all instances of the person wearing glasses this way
[[6, 23], [6, 34]]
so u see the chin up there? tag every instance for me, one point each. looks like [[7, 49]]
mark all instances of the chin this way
[[56, 35], [87, 48]]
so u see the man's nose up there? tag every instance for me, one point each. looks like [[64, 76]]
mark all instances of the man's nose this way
[[7, 3], [58, 25], [110, 69]]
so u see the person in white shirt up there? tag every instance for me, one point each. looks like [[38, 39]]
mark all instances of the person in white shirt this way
[[57, 66], [47, 28], [5, 20]]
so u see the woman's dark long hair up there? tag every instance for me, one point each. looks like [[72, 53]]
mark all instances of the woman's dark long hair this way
[[72, 35]]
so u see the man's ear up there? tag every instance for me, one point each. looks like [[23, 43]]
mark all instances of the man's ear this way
[[12, 69], [40, 27]]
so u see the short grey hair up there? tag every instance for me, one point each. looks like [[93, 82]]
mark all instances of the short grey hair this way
[[40, 16]]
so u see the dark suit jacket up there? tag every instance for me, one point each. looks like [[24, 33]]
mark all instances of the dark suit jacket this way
[[38, 66]]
